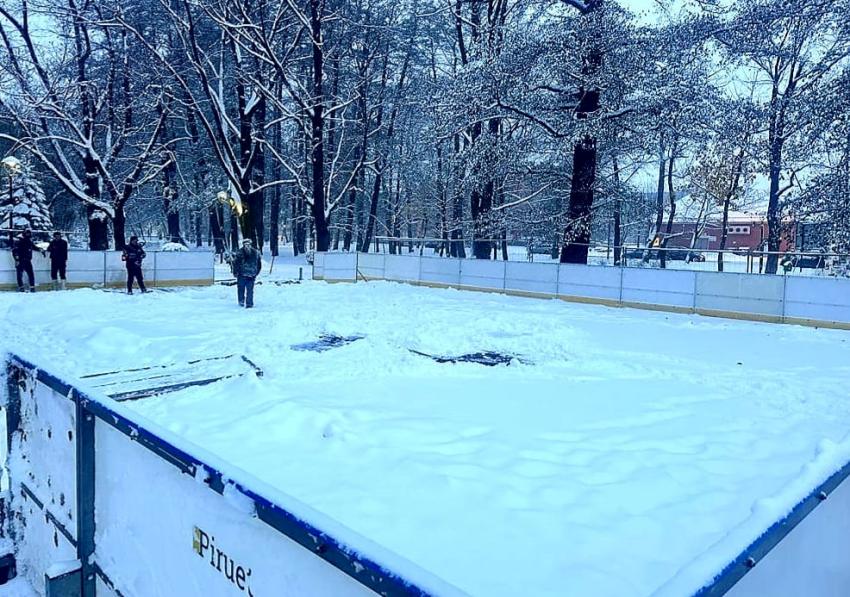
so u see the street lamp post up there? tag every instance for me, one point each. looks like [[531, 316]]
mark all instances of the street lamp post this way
[[237, 211], [12, 166]]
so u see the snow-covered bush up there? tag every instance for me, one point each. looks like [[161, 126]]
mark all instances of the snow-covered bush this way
[[28, 205]]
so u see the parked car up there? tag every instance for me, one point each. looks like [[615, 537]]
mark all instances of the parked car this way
[[637, 253], [813, 260], [685, 255]]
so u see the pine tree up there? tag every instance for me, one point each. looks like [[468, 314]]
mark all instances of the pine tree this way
[[28, 208]]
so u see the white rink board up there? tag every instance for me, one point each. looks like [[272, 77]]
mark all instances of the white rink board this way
[[371, 265], [140, 496], [436, 270], [740, 293], [39, 545], [43, 459], [659, 287], [589, 282], [813, 559], [340, 267], [482, 274], [825, 299], [541, 278], [401, 268], [319, 266], [794, 299]]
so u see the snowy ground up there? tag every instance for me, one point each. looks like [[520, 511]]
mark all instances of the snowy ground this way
[[17, 587], [623, 453]]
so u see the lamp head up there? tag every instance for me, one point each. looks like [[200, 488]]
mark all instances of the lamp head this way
[[12, 165]]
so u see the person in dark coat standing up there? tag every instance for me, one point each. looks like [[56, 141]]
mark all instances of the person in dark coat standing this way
[[133, 256], [22, 252], [246, 265], [58, 251]]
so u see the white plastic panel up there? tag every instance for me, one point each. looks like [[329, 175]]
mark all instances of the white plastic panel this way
[[440, 271], [826, 299], [151, 517], [741, 293], [482, 273], [45, 456], [371, 265], [319, 265], [402, 268], [42, 466], [340, 266], [589, 282], [39, 545], [532, 277], [659, 287]]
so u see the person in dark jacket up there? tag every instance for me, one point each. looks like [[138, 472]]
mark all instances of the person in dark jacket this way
[[58, 251], [246, 265], [133, 256], [22, 252]]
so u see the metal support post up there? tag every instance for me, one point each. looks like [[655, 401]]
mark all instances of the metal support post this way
[[85, 497]]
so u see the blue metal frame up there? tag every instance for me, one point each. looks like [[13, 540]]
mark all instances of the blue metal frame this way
[[758, 549], [85, 495], [361, 568]]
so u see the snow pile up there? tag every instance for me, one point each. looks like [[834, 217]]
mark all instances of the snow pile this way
[[626, 453], [173, 247]]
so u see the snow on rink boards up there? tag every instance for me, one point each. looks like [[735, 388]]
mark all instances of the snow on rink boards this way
[[638, 454]]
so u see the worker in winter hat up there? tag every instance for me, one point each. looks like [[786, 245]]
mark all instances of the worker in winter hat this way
[[246, 265]]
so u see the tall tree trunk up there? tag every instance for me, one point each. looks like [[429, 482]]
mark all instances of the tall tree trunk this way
[[724, 232], [199, 231], [234, 231], [119, 223], [774, 222], [731, 193], [372, 221], [170, 194], [274, 219], [257, 199], [618, 238], [672, 197], [577, 230], [317, 125], [98, 220], [350, 207], [457, 247], [659, 193]]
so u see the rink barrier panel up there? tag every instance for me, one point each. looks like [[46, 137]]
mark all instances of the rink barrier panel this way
[[343, 566], [99, 269], [799, 300]]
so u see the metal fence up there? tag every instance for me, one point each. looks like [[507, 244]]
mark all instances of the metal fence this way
[[796, 263]]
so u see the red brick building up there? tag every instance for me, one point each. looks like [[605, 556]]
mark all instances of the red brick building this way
[[745, 231]]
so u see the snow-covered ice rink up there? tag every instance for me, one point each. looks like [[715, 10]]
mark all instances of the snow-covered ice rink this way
[[621, 453]]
